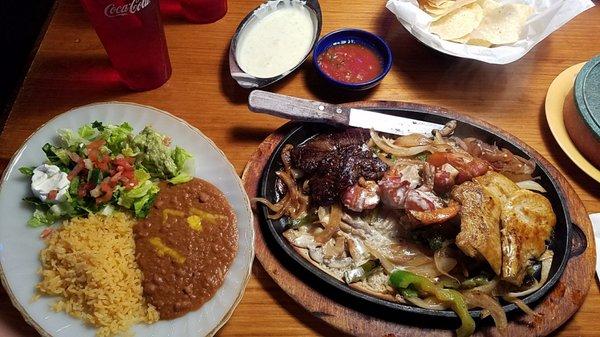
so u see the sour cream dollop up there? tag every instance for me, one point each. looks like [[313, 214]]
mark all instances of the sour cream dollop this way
[[277, 42], [48, 178]]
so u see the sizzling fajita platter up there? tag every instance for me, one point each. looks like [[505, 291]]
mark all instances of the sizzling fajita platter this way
[[459, 224], [121, 219]]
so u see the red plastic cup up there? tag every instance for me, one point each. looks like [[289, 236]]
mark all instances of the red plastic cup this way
[[203, 11], [133, 36]]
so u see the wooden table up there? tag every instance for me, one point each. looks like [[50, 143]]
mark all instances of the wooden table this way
[[71, 69]]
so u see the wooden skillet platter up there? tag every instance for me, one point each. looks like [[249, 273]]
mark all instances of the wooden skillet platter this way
[[554, 309]]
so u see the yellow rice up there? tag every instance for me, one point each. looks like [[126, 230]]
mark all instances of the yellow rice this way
[[90, 264]]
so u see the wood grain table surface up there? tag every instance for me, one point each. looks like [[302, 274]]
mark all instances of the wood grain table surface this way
[[71, 69]]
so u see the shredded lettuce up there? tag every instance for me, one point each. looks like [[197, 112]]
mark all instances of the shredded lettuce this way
[[28, 171], [141, 207], [56, 155], [139, 197], [129, 152], [88, 132], [180, 157], [127, 198], [71, 139], [180, 178], [141, 175], [107, 210], [117, 137], [154, 160], [184, 162], [42, 218]]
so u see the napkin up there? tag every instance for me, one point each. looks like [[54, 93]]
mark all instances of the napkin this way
[[549, 16], [596, 226]]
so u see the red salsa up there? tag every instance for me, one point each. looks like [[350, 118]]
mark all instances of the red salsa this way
[[350, 63]]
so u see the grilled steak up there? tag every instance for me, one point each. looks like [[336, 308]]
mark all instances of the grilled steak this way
[[333, 162]]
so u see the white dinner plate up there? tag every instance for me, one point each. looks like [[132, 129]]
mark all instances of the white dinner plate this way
[[20, 244]]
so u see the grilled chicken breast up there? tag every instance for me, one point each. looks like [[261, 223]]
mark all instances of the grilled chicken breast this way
[[527, 222], [479, 235], [498, 185]]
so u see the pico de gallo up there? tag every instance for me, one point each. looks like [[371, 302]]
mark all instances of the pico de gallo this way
[[102, 167]]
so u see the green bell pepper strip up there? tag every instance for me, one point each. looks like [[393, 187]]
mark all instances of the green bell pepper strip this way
[[473, 282], [401, 279]]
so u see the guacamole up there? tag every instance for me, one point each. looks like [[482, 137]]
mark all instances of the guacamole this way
[[156, 157]]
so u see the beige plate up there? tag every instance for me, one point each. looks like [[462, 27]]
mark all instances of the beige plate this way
[[555, 99]]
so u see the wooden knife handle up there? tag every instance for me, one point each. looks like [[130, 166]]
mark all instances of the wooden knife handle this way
[[297, 109]]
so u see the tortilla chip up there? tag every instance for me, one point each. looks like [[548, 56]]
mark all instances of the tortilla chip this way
[[488, 5], [525, 11], [438, 12], [458, 23], [468, 39], [462, 39], [440, 3], [479, 42], [503, 25]]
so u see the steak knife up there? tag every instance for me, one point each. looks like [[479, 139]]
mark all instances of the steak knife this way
[[305, 110]]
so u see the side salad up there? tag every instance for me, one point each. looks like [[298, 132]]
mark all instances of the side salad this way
[[101, 167]]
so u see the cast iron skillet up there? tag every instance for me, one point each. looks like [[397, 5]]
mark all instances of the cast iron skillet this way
[[560, 242]]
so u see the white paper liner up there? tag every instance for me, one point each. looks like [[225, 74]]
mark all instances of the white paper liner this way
[[549, 16], [595, 218]]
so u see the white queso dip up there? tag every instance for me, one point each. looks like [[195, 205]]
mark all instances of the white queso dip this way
[[275, 43]]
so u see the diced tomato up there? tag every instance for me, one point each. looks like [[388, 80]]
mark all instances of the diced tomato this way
[[46, 232], [116, 176], [74, 157], [103, 162], [80, 166], [129, 183], [108, 192], [128, 174], [99, 160], [125, 170], [96, 144], [84, 189], [52, 195], [126, 163], [93, 155], [114, 180]]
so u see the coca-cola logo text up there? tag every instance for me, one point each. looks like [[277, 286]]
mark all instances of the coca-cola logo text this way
[[133, 7]]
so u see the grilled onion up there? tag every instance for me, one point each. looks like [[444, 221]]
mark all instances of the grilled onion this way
[[387, 146], [428, 303], [484, 301], [522, 305], [294, 203], [531, 185], [546, 259], [443, 263]]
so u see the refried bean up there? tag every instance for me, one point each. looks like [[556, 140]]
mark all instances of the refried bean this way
[[185, 246]]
